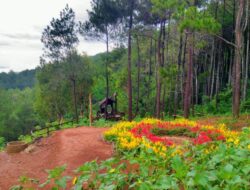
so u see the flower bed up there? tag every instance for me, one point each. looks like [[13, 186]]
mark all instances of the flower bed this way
[[153, 134]]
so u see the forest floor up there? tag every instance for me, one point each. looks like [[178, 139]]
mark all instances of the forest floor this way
[[72, 147]]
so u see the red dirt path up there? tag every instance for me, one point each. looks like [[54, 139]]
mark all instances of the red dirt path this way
[[70, 146]]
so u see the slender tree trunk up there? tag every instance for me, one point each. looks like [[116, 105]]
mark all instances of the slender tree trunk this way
[[90, 110], [206, 83], [237, 61], [212, 70], [212, 81], [163, 100], [130, 117], [107, 74], [75, 101], [188, 85], [158, 78], [169, 100], [177, 84], [196, 85], [217, 84], [192, 77], [183, 70], [150, 59], [163, 61], [246, 65], [138, 75], [230, 72], [150, 67], [148, 103]]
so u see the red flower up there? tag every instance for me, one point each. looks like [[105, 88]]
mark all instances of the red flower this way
[[220, 138], [202, 138]]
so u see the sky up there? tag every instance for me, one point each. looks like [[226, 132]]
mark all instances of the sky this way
[[21, 26]]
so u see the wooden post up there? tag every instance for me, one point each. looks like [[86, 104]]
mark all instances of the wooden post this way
[[115, 95], [47, 130], [31, 135], [90, 110]]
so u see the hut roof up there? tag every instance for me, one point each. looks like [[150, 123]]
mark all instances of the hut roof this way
[[104, 101]]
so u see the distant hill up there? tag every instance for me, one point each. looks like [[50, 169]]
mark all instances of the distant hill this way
[[21, 80], [26, 78]]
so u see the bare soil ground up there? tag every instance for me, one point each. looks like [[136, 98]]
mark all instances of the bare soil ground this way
[[72, 147], [178, 140]]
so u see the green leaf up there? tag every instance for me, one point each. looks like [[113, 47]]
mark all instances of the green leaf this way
[[45, 183], [201, 179], [179, 166], [165, 182], [246, 169], [228, 168], [62, 182], [144, 186], [109, 187], [56, 172], [236, 180], [212, 176]]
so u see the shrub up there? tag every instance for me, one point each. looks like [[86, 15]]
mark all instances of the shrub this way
[[2, 143]]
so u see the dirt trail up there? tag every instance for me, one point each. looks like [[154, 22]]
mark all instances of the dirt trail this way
[[70, 146]]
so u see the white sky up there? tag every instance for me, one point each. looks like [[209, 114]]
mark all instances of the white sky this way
[[21, 26]]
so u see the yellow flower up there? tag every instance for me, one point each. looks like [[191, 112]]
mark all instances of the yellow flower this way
[[112, 170], [236, 142], [74, 180], [184, 121]]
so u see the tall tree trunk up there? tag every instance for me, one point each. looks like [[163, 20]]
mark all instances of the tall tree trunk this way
[[163, 101], [237, 61], [150, 67], [75, 102], [163, 61], [177, 84], [212, 70], [138, 75], [183, 70], [230, 72], [107, 75], [129, 64], [158, 78], [196, 84], [188, 85], [217, 83], [148, 103], [246, 65], [205, 87], [90, 110]]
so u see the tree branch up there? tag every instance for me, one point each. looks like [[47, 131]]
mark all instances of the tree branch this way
[[228, 42]]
